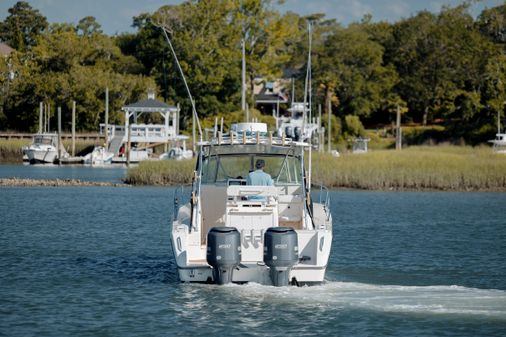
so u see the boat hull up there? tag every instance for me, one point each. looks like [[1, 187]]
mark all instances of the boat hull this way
[[255, 273], [99, 156], [41, 155], [314, 246]]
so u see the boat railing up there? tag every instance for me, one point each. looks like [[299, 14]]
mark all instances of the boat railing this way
[[180, 198], [252, 137], [324, 199]]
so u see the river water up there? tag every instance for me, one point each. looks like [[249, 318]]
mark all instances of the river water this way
[[96, 261]]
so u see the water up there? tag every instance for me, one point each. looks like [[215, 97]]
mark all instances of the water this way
[[97, 261], [108, 173]]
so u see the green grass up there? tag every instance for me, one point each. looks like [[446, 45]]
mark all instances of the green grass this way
[[10, 149], [447, 168], [164, 172], [415, 168]]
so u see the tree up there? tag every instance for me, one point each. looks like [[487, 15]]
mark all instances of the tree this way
[[63, 67], [22, 27], [88, 26], [353, 62], [440, 60], [492, 23]]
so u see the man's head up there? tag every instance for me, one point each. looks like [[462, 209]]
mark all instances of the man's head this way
[[260, 164]]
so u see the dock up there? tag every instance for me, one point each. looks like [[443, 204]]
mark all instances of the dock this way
[[98, 138], [71, 160]]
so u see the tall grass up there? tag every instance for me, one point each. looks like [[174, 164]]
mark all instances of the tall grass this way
[[10, 149], [415, 168], [163, 172], [448, 168]]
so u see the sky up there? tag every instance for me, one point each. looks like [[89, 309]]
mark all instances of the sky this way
[[115, 16]]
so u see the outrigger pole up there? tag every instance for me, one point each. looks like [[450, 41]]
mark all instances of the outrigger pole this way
[[307, 84], [194, 110], [307, 90]]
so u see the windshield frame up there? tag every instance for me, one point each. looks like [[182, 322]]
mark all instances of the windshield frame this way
[[213, 169]]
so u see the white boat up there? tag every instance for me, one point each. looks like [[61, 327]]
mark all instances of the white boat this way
[[301, 125], [499, 143], [99, 156], [297, 126], [44, 149], [228, 231], [177, 153]]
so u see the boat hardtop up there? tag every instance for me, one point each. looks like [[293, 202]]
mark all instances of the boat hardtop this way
[[499, 143]]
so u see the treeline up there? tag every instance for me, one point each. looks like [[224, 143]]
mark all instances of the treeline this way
[[448, 68]]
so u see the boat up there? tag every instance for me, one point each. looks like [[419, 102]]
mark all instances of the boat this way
[[44, 149], [300, 124], [296, 126], [226, 231], [99, 156], [499, 143], [178, 151]]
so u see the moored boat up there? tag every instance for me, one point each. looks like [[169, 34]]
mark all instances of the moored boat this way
[[99, 156], [44, 149]]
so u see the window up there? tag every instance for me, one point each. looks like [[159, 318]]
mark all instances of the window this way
[[219, 169]]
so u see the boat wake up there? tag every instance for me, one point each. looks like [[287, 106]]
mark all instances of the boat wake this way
[[441, 299]]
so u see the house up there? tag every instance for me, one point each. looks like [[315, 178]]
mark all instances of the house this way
[[269, 94], [5, 50]]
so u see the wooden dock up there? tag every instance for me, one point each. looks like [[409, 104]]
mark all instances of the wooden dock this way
[[65, 136], [71, 160]]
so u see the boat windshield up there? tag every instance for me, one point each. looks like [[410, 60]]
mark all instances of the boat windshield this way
[[43, 140], [284, 170]]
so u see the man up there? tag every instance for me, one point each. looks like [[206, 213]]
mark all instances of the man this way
[[259, 177]]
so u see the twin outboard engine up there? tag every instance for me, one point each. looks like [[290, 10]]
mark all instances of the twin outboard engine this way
[[297, 133], [289, 132], [281, 253], [223, 252]]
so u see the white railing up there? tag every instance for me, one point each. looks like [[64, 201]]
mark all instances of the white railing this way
[[142, 132]]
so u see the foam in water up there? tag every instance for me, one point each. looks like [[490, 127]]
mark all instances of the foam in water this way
[[449, 300]]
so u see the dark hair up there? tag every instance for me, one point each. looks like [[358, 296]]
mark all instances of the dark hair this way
[[260, 164]]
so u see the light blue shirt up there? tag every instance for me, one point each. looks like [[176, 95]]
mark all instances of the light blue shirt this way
[[259, 178]]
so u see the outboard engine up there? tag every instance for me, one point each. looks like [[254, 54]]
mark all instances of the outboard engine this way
[[281, 253], [289, 132], [223, 252], [297, 133]]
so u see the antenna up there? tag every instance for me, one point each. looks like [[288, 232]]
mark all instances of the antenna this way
[[195, 115], [293, 91], [243, 76], [307, 84]]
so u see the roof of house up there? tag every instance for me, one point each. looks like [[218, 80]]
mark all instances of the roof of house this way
[[5, 50], [268, 98], [149, 105]]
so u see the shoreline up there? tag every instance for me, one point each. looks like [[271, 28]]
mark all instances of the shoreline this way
[[57, 183], [28, 182]]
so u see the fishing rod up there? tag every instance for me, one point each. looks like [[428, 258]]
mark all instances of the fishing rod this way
[[194, 110]]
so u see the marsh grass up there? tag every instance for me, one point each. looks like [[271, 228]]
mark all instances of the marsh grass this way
[[449, 168], [163, 172], [446, 168], [10, 149]]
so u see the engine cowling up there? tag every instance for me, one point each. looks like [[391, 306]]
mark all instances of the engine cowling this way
[[281, 253], [223, 252]]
